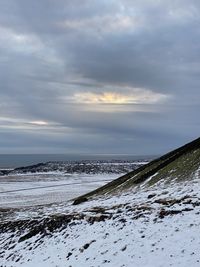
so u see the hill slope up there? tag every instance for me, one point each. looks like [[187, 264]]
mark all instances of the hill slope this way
[[178, 165], [149, 217]]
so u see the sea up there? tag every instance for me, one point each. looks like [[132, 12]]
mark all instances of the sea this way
[[19, 160]]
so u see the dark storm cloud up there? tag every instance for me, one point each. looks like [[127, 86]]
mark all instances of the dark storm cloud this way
[[52, 52]]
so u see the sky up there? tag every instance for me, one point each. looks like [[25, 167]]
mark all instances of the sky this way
[[99, 76]]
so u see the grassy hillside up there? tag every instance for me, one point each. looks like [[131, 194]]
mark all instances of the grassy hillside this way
[[180, 164]]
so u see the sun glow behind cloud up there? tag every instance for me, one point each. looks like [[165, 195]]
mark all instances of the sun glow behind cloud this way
[[39, 123], [139, 96]]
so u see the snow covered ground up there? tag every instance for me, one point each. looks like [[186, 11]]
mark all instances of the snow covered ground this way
[[57, 182], [145, 227], [20, 190]]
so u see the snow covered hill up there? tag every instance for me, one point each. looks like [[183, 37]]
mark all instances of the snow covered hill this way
[[147, 218], [85, 166]]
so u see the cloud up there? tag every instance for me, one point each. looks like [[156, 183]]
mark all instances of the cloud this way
[[96, 25], [86, 73]]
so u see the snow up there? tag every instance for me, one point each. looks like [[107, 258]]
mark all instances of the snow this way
[[134, 234], [58, 182], [47, 188]]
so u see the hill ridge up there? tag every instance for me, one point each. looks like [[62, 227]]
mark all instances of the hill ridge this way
[[144, 172]]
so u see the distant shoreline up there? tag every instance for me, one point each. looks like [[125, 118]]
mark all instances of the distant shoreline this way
[[10, 161]]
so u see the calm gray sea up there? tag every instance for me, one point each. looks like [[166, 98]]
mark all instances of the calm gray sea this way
[[18, 160]]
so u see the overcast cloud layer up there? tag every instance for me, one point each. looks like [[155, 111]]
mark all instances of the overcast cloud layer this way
[[86, 76]]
